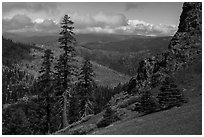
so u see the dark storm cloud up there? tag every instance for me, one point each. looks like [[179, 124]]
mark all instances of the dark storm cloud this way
[[24, 23], [100, 19], [51, 8], [98, 23], [17, 22], [133, 5]]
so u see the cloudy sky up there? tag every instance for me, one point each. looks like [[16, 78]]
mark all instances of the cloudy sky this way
[[118, 18]]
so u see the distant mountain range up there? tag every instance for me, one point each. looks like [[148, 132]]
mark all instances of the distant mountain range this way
[[80, 38], [131, 44], [119, 52], [105, 42]]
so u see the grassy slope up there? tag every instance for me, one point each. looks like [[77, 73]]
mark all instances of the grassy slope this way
[[185, 120]]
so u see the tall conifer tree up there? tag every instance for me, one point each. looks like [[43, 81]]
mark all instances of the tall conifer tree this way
[[45, 83], [86, 85], [65, 69]]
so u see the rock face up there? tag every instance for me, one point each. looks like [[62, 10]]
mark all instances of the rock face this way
[[191, 17], [185, 46]]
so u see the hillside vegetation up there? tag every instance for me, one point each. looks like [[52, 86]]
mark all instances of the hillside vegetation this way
[[183, 62], [74, 89], [15, 52]]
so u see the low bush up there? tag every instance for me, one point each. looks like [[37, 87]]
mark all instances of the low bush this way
[[109, 117], [147, 103], [128, 102]]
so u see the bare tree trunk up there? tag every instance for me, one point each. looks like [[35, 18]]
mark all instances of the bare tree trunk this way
[[85, 110], [48, 114], [64, 111]]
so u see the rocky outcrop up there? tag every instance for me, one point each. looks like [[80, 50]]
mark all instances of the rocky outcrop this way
[[191, 17], [185, 46]]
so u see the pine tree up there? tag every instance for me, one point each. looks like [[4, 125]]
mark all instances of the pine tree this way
[[147, 103], [170, 95], [65, 70], [108, 112], [101, 96], [109, 117], [45, 83], [86, 86], [74, 108], [15, 83], [15, 122]]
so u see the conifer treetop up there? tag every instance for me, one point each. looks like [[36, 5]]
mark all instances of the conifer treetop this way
[[66, 34]]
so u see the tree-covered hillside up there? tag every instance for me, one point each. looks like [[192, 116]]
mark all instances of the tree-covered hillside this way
[[13, 52]]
